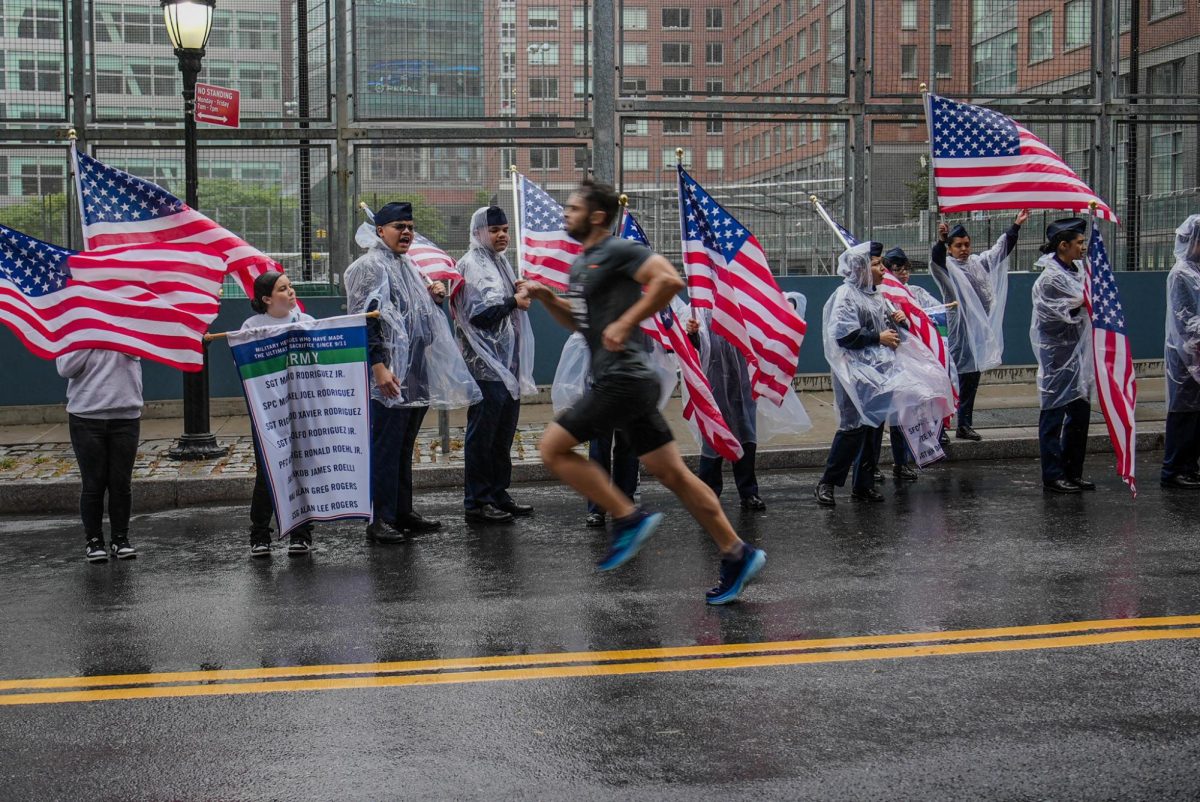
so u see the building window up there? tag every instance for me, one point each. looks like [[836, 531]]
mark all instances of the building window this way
[[714, 125], [714, 86], [814, 37], [543, 54], [42, 179], [677, 87], [1163, 8], [543, 18], [582, 90], [1166, 159], [38, 74], [908, 15], [908, 61], [1079, 23], [942, 14], [714, 19], [995, 67], [814, 79], [581, 54], [634, 55], [543, 89], [578, 19], [677, 125], [543, 158], [583, 158], [677, 18], [42, 19], [633, 87], [801, 44], [676, 53], [669, 159], [637, 128], [1041, 37], [714, 158], [714, 54], [942, 61], [258, 81], [635, 159], [634, 19]]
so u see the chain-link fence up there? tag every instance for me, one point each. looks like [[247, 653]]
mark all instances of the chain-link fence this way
[[768, 101]]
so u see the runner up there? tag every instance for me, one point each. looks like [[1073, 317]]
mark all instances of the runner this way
[[605, 302]]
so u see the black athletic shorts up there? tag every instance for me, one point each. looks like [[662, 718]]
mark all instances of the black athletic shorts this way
[[627, 405]]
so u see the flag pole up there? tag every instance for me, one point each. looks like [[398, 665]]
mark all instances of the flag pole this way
[[624, 201], [824, 215], [682, 233], [930, 186], [512, 169], [73, 138]]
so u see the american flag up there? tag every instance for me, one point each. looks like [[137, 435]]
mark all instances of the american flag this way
[[547, 251], [121, 209], [700, 407], [1116, 385], [154, 301], [983, 160], [727, 272]]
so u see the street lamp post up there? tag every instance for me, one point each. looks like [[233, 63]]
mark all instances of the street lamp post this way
[[188, 24]]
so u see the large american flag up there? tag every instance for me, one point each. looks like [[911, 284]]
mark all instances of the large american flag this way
[[700, 407], [121, 209], [153, 301], [547, 251], [983, 160], [727, 272], [1116, 385]]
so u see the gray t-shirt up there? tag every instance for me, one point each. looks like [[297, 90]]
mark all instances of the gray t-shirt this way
[[601, 289]]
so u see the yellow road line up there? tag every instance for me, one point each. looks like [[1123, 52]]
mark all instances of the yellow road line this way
[[608, 669], [500, 661]]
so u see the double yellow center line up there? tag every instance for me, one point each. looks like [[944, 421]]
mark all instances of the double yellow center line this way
[[55, 690]]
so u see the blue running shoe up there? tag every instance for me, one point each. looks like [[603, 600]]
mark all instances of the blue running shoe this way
[[628, 538], [736, 574]]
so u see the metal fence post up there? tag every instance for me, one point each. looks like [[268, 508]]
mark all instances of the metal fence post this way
[[604, 115]]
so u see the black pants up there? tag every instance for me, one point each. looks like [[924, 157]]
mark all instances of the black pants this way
[[394, 432], [1062, 436], [618, 460], [105, 450], [262, 506], [1182, 453], [487, 450], [856, 448], [968, 386], [743, 472], [899, 446]]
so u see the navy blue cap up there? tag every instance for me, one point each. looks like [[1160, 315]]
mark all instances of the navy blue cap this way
[[958, 231], [876, 249], [895, 257], [1062, 230], [390, 213], [496, 216]]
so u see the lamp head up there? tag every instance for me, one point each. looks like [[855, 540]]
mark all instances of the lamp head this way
[[188, 22]]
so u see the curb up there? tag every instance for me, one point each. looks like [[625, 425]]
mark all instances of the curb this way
[[151, 495]]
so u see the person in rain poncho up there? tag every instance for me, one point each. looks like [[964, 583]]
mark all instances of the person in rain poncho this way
[[860, 339], [415, 364], [497, 343], [729, 376], [1181, 468], [1060, 331], [896, 260], [978, 284]]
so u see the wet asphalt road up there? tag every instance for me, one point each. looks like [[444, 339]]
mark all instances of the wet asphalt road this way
[[970, 546]]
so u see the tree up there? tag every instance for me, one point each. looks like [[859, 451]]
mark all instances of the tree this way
[[918, 190], [46, 217]]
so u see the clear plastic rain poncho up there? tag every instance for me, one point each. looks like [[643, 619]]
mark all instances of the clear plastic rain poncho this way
[[922, 296], [976, 326], [573, 377], [1060, 332], [421, 351], [503, 351], [725, 368], [1183, 320], [875, 384]]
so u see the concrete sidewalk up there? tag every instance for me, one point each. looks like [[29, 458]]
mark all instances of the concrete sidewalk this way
[[39, 473]]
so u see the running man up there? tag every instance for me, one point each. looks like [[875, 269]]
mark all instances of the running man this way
[[606, 303]]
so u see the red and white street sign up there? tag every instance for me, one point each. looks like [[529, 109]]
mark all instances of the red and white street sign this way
[[217, 105]]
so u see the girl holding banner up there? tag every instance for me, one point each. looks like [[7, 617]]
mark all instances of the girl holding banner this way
[[274, 304]]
